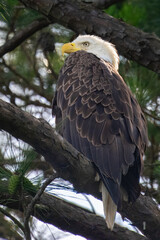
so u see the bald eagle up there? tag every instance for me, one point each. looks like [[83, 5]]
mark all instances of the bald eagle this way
[[102, 119]]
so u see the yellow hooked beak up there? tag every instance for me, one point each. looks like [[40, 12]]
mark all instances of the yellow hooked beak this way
[[69, 48]]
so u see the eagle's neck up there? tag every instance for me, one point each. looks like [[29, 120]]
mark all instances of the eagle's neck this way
[[108, 56]]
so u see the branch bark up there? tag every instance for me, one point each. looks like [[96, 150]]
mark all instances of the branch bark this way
[[22, 35], [101, 4], [72, 218], [71, 165], [131, 42]]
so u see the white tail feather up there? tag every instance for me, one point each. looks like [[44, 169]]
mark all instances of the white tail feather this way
[[110, 208]]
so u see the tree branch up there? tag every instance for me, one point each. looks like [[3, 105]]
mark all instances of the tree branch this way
[[6, 213], [26, 82], [71, 165], [131, 42], [101, 4], [66, 160], [22, 35], [72, 218]]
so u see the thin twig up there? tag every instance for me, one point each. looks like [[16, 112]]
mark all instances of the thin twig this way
[[32, 204], [22, 35], [6, 213], [150, 114], [90, 203], [27, 83]]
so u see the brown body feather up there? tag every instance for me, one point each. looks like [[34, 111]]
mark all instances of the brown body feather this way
[[102, 119]]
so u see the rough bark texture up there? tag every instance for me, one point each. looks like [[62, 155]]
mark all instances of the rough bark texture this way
[[71, 165], [131, 42], [72, 218], [101, 4], [147, 208]]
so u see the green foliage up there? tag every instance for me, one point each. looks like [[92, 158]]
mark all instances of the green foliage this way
[[154, 133], [129, 11], [26, 17], [143, 83], [14, 14], [27, 164], [156, 171], [20, 184], [29, 187], [56, 62], [140, 13], [3, 11], [5, 173], [14, 184], [17, 182], [152, 17]]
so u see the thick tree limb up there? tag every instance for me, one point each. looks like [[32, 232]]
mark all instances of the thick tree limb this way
[[71, 165], [101, 4], [131, 42], [22, 35], [69, 217], [66, 160]]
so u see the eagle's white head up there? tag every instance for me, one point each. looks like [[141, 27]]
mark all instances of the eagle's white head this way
[[93, 44]]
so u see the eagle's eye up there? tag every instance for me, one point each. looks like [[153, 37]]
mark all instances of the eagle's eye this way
[[85, 44]]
